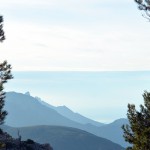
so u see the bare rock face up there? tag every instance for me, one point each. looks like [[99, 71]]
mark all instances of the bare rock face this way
[[9, 143]]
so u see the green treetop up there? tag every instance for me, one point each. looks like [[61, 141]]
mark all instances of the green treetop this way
[[5, 75], [137, 133]]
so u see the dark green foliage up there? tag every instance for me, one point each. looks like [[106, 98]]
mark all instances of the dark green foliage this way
[[29, 141], [2, 36], [137, 133], [1, 131], [5, 74], [144, 5]]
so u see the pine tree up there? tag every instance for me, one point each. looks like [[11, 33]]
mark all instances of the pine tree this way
[[5, 74], [2, 36], [144, 5], [137, 133]]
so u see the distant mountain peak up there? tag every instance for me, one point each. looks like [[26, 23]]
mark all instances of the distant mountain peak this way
[[64, 107], [28, 93], [120, 121], [38, 98]]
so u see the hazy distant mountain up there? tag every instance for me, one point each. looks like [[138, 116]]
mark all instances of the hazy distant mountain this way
[[108, 131], [44, 103], [25, 110], [114, 132], [27, 93], [66, 112], [64, 138]]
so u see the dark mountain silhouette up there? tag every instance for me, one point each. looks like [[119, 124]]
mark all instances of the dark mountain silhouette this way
[[25, 110], [64, 138]]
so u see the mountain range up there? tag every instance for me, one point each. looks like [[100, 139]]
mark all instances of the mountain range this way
[[25, 110], [66, 112], [63, 138]]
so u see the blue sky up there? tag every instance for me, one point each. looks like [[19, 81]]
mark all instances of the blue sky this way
[[81, 35]]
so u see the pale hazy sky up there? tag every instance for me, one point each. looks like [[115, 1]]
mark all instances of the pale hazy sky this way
[[78, 35], [75, 35], [101, 96]]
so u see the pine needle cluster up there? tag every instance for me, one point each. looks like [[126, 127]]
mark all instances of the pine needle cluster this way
[[137, 133]]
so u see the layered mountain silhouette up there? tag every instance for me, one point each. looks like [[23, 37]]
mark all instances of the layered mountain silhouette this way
[[66, 112], [64, 138], [25, 110]]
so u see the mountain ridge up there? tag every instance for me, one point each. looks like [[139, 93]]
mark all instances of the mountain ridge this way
[[68, 113], [24, 109], [64, 138]]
